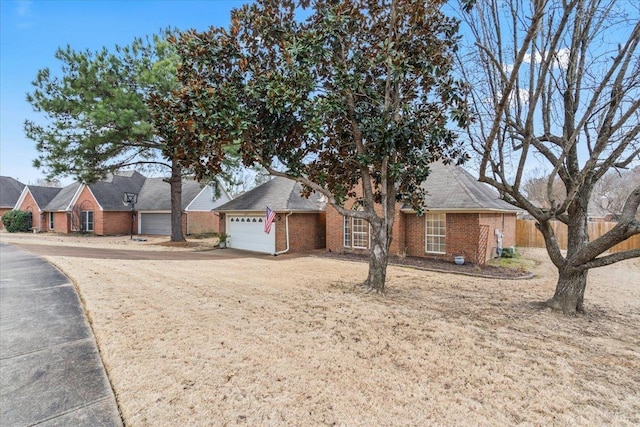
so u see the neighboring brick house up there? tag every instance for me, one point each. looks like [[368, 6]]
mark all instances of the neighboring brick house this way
[[200, 215], [198, 202], [10, 190], [462, 217], [299, 223], [99, 207], [34, 200]]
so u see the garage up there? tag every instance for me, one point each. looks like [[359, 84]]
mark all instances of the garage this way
[[155, 223], [247, 232]]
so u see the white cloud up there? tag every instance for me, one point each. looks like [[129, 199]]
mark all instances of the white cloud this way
[[537, 57], [560, 59]]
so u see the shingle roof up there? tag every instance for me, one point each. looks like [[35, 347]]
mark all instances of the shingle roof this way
[[155, 194], [61, 201], [10, 190], [110, 191], [452, 188], [279, 194], [43, 195]]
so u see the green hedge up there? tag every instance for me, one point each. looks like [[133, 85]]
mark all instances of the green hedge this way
[[16, 221]]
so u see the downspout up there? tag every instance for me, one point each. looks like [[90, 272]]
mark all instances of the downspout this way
[[286, 230]]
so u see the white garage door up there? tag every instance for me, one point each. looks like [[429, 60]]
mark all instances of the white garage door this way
[[247, 232], [155, 223]]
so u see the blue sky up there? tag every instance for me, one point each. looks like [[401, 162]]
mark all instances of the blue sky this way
[[31, 31]]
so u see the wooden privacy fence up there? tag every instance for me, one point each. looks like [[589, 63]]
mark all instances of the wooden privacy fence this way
[[528, 235]]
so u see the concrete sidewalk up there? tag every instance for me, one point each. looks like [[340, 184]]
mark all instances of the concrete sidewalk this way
[[50, 370]]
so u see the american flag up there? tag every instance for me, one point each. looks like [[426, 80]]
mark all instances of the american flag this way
[[271, 215]]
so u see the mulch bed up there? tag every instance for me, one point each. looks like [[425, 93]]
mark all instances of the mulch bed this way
[[468, 269]]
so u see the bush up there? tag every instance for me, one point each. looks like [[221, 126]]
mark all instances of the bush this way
[[16, 221]]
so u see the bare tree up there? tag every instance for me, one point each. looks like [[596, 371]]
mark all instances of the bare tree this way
[[55, 183], [611, 192], [557, 83], [535, 189]]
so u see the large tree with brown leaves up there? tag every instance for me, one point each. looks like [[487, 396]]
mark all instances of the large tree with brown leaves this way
[[337, 96]]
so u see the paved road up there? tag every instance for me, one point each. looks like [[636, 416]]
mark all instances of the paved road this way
[[50, 370]]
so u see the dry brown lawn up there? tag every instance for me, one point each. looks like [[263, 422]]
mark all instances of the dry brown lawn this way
[[290, 341]]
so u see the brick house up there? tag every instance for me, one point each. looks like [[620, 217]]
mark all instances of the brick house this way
[[298, 226], [10, 191], [99, 208], [463, 217], [33, 200], [200, 215], [198, 202]]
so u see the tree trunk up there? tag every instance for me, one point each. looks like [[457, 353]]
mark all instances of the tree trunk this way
[[176, 202], [378, 259], [569, 295], [381, 235], [572, 281]]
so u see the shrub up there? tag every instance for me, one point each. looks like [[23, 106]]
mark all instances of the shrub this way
[[16, 221]]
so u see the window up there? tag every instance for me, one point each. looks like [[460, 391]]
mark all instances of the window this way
[[87, 221], [51, 224], [356, 233], [435, 233]]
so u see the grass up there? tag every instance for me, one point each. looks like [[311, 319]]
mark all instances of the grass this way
[[517, 263]]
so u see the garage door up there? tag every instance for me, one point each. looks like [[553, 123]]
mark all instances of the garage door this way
[[155, 223], [247, 232]]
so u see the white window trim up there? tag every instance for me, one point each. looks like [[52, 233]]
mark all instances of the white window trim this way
[[427, 235], [350, 244], [84, 223]]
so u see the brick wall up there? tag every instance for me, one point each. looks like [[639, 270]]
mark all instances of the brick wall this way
[[335, 226], [506, 223], [462, 233], [2, 212], [117, 223], [86, 202], [203, 222], [462, 238], [61, 222], [307, 231], [29, 205]]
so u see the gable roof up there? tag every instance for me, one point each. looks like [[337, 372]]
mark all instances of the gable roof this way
[[451, 188], [279, 194], [10, 190], [155, 194], [211, 196], [63, 199], [42, 195], [110, 191]]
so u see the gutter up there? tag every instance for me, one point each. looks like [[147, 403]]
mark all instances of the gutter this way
[[286, 230]]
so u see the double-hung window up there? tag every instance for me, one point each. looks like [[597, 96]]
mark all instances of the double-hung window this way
[[356, 233], [436, 233], [87, 220]]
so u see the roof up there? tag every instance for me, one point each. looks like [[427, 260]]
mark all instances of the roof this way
[[10, 190], [451, 188], [61, 200], [279, 194], [155, 194], [109, 192], [43, 195]]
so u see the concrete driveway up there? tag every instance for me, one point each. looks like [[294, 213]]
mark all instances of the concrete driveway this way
[[50, 369]]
